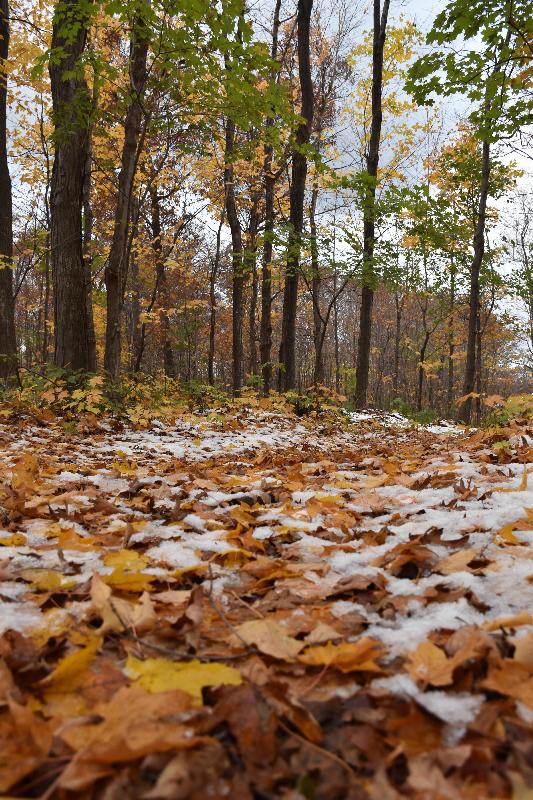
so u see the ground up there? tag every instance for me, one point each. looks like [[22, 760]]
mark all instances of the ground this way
[[259, 606]]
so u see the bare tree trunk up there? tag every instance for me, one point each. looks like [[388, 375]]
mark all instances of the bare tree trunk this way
[[46, 303], [71, 106], [316, 286], [369, 211], [88, 219], [421, 357], [237, 259], [116, 271], [451, 343], [251, 267], [161, 281], [265, 331], [213, 302], [287, 354], [8, 340], [397, 335], [475, 269], [136, 325]]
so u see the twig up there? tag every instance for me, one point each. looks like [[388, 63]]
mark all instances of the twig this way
[[317, 747], [257, 613]]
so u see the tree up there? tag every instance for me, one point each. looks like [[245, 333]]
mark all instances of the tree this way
[[117, 266], [369, 210], [8, 342], [487, 75], [287, 354], [71, 112]]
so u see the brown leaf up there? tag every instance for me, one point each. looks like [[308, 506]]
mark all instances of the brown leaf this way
[[133, 724], [25, 741], [270, 638]]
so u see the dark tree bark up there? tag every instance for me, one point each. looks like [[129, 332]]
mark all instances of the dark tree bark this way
[[239, 277], [316, 290], [161, 279], [369, 211], [71, 111], [251, 267], [8, 341], [265, 332], [116, 271], [213, 302], [287, 355], [451, 342], [88, 221], [465, 412], [398, 303]]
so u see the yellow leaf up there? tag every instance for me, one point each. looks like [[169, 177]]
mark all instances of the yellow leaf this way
[[69, 539], [347, 657], [15, 540], [127, 560], [430, 664], [515, 621], [127, 573], [46, 580], [162, 675], [70, 672]]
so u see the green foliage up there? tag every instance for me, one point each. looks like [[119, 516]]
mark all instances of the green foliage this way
[[489, 72], [518, 407], [424, 417], [315, 400]]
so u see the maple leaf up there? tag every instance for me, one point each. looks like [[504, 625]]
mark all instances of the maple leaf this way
[[269, 637], [347, 657], [133, 724], [162, 675]]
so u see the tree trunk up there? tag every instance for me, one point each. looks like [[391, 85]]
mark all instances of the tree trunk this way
[[116, 271], [237, 259], [251, 267], [265, 331], [287, 355], [316, 286], [71, 105], [397, 336], [8, 341], [88, 219], [161, 280], [475, 269], [369, 211], [137, 346], [421, 357], [213, 302], [451, 343]]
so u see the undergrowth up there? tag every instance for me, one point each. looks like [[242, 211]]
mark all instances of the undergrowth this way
[[139, 399]]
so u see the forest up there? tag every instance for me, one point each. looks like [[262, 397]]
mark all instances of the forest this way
[[266, 409], [277, 198]]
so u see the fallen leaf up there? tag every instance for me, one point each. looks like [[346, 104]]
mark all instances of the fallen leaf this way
[[347, 657], [270, 638], [161, 675]]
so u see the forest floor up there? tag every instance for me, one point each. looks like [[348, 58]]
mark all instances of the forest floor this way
[[261, 606]]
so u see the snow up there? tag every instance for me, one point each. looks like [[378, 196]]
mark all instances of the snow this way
[[458, 709], [18, 616]]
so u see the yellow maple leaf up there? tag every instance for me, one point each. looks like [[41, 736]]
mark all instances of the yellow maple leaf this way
[[347, 657], [162, 675]]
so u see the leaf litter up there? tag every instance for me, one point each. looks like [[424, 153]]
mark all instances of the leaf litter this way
[[265, 606]]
